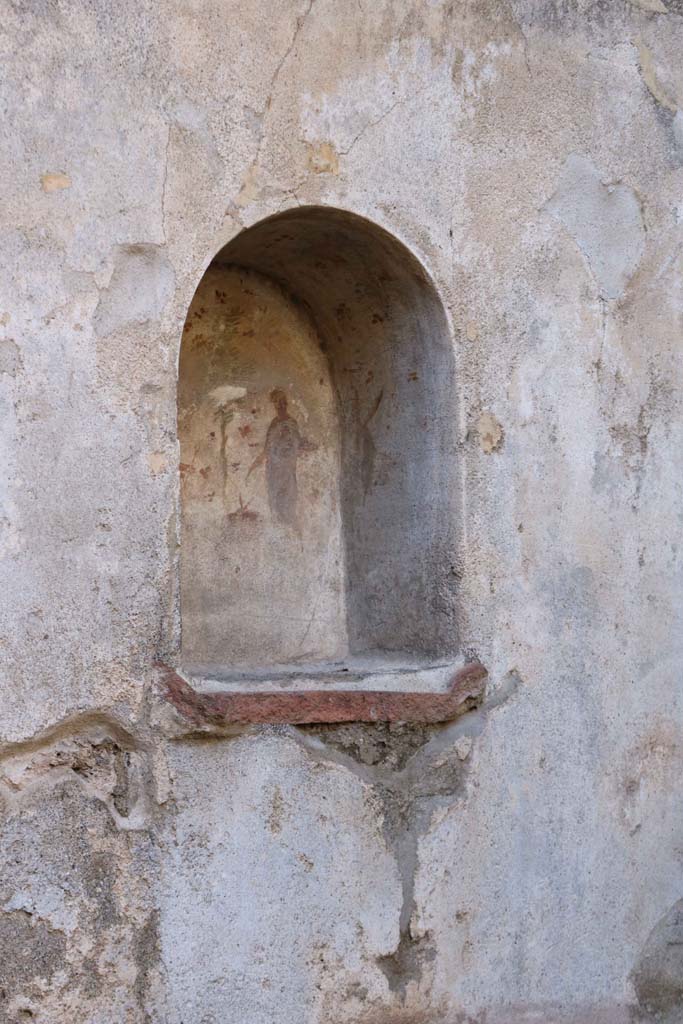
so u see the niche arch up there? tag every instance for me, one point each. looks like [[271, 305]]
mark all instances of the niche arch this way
[[316, 420]]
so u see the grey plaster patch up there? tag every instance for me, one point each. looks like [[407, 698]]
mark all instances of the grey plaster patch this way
[[605, 221], [141, 284], [10, 357], [221, 872], [651, 6], [677, 129]]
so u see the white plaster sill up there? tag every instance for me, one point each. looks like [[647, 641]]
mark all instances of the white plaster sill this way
[[399, 673]]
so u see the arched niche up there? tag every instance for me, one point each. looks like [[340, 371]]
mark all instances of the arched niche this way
[[316, 418]]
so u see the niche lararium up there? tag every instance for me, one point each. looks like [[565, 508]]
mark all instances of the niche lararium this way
[[319, 482]]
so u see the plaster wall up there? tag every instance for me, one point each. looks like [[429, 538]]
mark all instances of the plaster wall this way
[[523, 864]]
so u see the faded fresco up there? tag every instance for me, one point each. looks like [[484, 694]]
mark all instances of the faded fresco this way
[[262, 560], [281, 451]]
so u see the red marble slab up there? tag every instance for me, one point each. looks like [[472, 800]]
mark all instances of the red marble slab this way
[[305, 707]]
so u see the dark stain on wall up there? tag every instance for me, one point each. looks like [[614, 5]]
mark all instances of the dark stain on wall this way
[[658, 975]]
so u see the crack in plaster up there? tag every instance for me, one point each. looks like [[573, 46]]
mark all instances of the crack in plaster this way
[[605, 220], [246, 193], [525, 42], [297, 31], [431, 779], [372, 124], [164, 184]]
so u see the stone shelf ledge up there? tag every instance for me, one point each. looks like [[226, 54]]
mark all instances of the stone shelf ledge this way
[[237, 703]]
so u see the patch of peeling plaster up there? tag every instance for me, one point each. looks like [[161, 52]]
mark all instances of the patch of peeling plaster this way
[[649, 75], [141, 284], [490, 433], [55, 181]]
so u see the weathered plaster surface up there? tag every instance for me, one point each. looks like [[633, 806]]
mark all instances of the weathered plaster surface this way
[[522, 864]]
